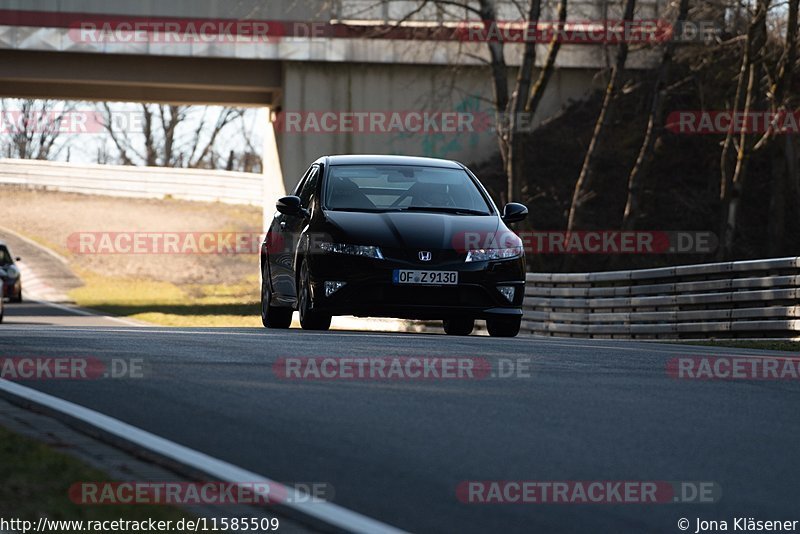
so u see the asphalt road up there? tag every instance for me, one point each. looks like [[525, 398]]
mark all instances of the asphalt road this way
[[397, 450], [45, 274]]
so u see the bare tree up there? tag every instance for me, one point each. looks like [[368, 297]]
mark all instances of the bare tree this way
[[167, 137], [584, 187], [751, 66], [526, 95], [633, 203], [249, 159], [782, 154], [34, 129]]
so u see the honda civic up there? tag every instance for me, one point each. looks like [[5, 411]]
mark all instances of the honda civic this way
[[393, 236]]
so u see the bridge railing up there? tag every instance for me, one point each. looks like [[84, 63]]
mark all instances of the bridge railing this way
[[506, 10], [732, 299]]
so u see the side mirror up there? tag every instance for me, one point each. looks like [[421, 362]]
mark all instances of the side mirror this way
[[514, 212], [291, 205], [17, 259]]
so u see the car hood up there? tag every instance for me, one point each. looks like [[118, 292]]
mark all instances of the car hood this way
[[408, 230]]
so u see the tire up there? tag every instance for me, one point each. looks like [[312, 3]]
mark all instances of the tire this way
[[18, 298], [309, 319], [271, 316], [503, 327], [459, 326]]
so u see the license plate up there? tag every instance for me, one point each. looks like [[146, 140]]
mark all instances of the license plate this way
[[431, 278]]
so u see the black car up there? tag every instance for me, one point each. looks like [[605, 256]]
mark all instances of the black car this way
[[393, 236], [10, 275]]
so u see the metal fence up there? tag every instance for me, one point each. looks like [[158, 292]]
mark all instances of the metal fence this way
[[143, 182], [733, 299]]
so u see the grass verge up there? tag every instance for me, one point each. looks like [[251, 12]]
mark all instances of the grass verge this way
[[167, 304], [36, 480]]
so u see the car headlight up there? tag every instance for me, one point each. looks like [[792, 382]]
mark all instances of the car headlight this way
[[353, 250], [484, 254]]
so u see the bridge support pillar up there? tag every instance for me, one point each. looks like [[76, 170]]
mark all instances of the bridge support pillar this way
[[274, 187]]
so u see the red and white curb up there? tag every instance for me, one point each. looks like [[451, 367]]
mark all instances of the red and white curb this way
[[34, 288]]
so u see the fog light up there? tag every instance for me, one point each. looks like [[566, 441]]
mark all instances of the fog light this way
[[507, 292], [333, 287]]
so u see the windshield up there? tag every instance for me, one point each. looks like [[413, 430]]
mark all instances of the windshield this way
[[403, 188], [5, 257]]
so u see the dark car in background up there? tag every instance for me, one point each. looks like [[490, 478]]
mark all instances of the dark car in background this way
[[10, 275], [393, 236]]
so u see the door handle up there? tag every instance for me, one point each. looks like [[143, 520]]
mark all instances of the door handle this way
[[283, 225]]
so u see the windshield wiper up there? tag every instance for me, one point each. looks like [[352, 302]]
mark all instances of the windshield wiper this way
[[457, 211]]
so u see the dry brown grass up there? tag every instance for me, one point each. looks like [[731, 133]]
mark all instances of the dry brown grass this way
[[51, 217]]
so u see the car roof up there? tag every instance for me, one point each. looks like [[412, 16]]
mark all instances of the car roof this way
[[377, 159]]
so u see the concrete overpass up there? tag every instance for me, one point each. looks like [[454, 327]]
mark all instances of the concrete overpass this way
[[323, 62]]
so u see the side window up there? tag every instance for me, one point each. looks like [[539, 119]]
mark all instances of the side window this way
[[309, 185], [303, 180]]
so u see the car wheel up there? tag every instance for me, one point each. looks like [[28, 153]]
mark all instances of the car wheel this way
[[309, 319], [458, 327], [18, 298], [503, 327], [271, 316]]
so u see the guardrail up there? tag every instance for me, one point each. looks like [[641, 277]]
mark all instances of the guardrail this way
[[142, 182], [733, 299]]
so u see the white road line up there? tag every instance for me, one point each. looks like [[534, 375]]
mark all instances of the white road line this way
[[78, 311], [328, 513]]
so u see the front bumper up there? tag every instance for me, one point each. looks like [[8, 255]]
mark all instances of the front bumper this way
[[370, 292]]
